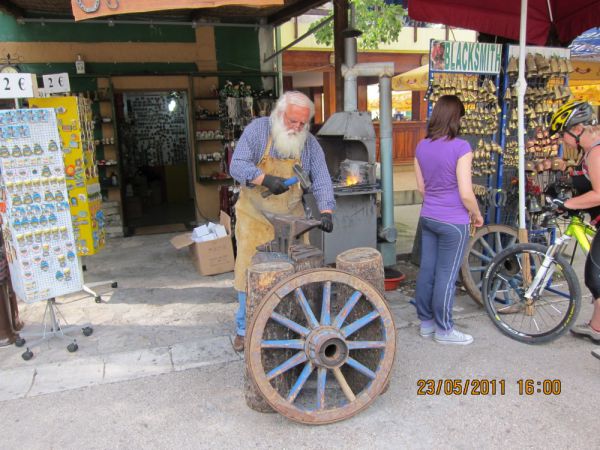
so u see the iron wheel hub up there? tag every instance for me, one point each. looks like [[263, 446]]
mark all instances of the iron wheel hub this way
[[326, 347]]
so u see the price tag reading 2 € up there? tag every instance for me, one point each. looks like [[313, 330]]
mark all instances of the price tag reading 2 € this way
[[56, 83], [18, 85]]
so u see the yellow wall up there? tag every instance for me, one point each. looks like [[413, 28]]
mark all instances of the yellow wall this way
[[405, 44]]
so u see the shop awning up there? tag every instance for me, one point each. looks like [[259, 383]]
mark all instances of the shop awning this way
[[569, 18], [589, 93], [587, 46], [584, 72], [413, 80]]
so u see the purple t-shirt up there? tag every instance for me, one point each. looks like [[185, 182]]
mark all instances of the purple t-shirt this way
[[437, 160]]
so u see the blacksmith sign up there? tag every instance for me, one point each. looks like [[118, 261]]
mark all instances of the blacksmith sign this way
[[469, 57], [92, 9]]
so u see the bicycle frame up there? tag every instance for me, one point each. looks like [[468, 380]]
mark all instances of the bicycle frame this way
[[580, 230], [577, 229]]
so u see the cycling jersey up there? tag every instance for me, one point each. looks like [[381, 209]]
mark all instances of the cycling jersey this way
[[581, 184]]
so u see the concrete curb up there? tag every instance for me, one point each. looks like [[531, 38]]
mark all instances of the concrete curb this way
[[115, 367]]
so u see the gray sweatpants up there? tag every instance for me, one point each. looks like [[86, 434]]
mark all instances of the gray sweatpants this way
[[442, 249]]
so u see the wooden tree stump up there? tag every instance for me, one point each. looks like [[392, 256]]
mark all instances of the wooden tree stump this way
[[364, 262], [367, 264], [261, 278]]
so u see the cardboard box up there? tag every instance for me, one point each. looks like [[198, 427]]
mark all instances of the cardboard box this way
[[210, 257]]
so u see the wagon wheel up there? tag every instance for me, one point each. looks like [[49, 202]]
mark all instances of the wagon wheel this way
[[336, 371], [482, 247]]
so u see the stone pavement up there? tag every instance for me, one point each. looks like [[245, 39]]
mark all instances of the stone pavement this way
[[163, 318]]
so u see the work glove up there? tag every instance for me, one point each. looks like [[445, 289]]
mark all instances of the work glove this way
[[326, 222], [275, 184]]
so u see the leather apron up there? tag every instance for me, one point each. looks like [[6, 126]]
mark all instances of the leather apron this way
[[252, 228]]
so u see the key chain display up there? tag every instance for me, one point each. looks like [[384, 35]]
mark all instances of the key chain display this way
[[36, 217], [76, 129]]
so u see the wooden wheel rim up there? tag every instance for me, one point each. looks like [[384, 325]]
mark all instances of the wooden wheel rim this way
[[262, 316], [472, 286]]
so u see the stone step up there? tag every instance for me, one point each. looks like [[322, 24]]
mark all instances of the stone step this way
[[409, 197]]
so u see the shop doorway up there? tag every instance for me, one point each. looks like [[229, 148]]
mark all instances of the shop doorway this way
[[155, 155]]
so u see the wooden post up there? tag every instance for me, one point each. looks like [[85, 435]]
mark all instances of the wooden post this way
[[329, 94], [340, 23], [367, 264], [261, 278]]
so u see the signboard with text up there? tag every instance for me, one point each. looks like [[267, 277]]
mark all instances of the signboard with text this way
[[56, 83], [467, 57], [18, 85]]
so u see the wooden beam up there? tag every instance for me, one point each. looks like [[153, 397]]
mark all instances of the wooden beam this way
[[419, 106], [328, 94], [302, 60], [317, 97], [340, 23], [362, 100], [294, 9], [10, 8]]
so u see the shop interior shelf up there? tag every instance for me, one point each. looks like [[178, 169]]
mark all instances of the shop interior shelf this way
[[206, 98], [207, 118], [211, 139]]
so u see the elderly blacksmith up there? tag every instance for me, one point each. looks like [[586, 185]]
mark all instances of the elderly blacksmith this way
[[263, 159]]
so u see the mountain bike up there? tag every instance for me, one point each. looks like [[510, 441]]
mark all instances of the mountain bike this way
[[530, 291]]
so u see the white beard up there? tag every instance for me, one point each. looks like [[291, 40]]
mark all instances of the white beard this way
[[289, 143]]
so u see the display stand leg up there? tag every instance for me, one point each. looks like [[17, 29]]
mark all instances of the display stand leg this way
[[54, 325], [87, 287]]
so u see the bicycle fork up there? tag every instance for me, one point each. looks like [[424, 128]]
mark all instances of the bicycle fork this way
[[544, 273]]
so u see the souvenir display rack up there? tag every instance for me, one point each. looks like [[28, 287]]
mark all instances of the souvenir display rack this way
[[107, 145], [477, 83], [216, 129], [76, 129], [36, 220], [547, 72]]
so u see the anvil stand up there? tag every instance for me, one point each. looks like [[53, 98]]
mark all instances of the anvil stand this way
[[54, 325], [87, 287]]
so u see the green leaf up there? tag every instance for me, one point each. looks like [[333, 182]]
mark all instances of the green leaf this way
[[379, 22]]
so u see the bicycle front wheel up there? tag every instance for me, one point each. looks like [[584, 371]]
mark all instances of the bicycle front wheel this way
[[551, 311]]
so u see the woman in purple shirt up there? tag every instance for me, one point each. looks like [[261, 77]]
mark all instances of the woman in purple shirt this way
[[443, 170]]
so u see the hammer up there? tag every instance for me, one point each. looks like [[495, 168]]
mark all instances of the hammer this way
[[300, 176]]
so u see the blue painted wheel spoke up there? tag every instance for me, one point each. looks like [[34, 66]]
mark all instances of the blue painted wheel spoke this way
[[359, 345], [296, 327], [347, 309], [294, 344], [321, 383], [487, 246], [326, 307], [298, 358], [361, 368], [299, 384], [358, 324], [310, 317], [481, 256]]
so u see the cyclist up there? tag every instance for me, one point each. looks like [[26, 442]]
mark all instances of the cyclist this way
[[577, 125]]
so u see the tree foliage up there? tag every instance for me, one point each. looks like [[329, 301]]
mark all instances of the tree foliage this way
[[379, 22]]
